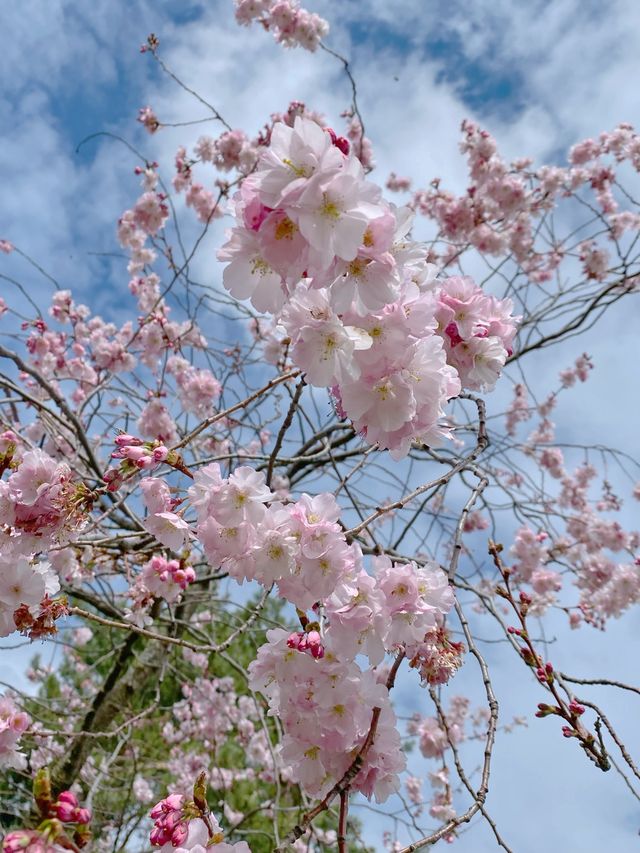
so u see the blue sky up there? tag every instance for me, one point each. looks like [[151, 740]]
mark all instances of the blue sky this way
[[539, 75]]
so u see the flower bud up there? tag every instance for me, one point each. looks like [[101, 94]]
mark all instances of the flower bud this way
[[294, 640], [42, 790], [18, 841], [314, 644], [145, 462], [83, 815], [126, 439], [179, 834], [69, 798], [133, 452], [545, 710], [159, 835], [342, 144], [200, 792]]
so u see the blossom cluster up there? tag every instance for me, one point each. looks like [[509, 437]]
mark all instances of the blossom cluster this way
[[78, 358], [435, 736], [291, 25], [589, 545], [504, 202], [437, 657], [300, 547], [25, 590], [325, 706], [478, 332], [167, 526], [41, 506], [357, 301]]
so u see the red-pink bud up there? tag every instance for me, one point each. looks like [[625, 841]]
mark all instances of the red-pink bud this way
[[83, 816], [171, 820], [179, 834], [157, 810], [65, 812], [342, 144], [18, 841], [294, 640], [314, 644], [68, 797], [159, 835]]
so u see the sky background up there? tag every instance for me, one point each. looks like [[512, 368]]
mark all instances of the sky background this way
[[539, 75]]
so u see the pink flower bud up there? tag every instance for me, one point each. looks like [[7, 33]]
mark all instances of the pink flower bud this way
[[68, 797], [294, 640], [179, 834], [160, 453], [66, 812], [314, 644], [145, 462], [157, 810], [133, 452], [159, 835], [15, 842], [173, 801], [125, 438]]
